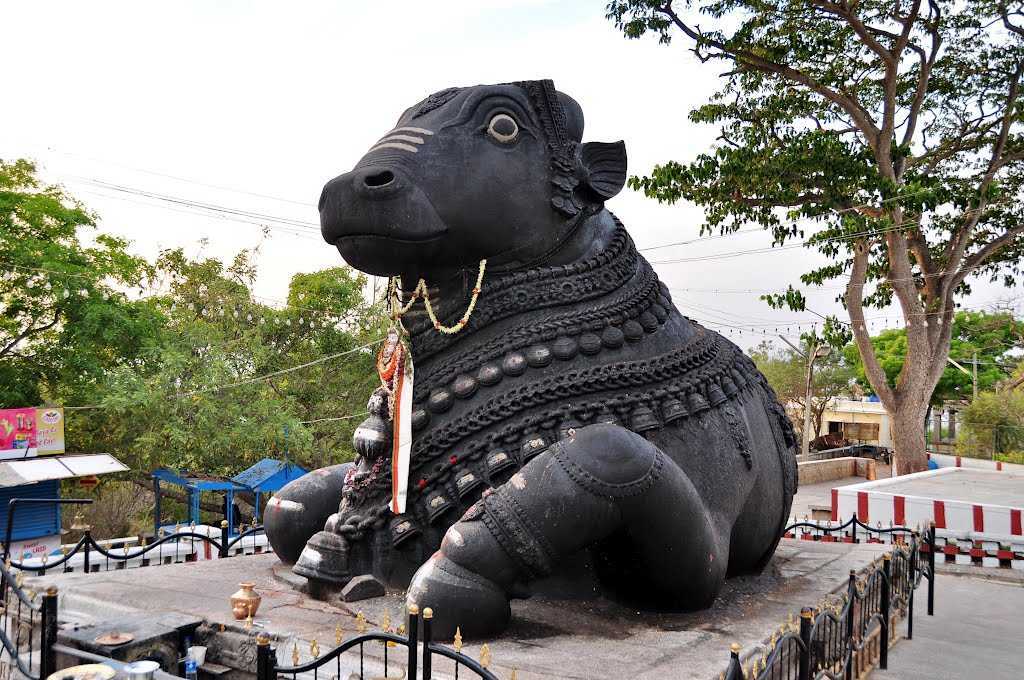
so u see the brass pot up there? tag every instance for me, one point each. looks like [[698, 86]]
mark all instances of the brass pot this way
[[245, 602]]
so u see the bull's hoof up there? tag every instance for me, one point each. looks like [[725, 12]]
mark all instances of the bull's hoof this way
[[460, 599], [324, 561], [300, 508]]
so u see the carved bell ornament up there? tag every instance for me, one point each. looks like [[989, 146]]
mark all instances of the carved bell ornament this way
[[673, 410], [372, 439], [643, 419], [697, 403], [715, 394]]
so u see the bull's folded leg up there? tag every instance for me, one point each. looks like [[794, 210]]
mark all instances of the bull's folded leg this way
[[604, 480]]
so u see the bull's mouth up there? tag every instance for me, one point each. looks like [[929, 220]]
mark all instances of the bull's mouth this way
[[378, 238], [389, 255]]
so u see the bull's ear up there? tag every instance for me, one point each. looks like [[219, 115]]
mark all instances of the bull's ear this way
[[604, 167]]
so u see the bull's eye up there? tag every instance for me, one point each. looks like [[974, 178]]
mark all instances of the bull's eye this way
[[503, 128]]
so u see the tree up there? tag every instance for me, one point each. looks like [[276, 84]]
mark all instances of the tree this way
[[786, 372], [65, 318], [200, 401], [992, 338], [891, 130], [993, 424]]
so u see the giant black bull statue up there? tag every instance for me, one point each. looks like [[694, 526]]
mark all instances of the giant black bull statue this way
[[578, 429]]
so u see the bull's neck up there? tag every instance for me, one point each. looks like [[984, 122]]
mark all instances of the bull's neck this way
[[451, 290]]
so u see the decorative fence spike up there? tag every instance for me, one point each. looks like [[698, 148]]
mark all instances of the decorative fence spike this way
[[485, 656], [457, 642], [314, 649], [337, 634], [361, 623], [295, 654]]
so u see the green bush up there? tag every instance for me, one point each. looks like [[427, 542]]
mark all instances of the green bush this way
[[993, 426]]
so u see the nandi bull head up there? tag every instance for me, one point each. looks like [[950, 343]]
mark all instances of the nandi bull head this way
[[431, 192]]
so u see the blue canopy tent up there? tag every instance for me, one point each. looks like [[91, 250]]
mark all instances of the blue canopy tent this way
[[267, 476], [194, 486]]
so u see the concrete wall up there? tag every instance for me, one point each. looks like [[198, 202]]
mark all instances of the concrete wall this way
[[818, 471]]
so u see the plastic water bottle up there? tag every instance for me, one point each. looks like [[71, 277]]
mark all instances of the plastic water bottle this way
[[191, 667]]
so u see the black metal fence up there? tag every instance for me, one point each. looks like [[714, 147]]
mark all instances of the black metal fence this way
[[28, 630], [419, 657], [840, 637], [170, 548]]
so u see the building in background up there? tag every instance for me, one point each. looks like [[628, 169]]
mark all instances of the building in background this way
[[858, 422]]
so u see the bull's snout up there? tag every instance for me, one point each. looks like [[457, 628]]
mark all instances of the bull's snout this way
[[365, 183], [378, 179], [376, 213]]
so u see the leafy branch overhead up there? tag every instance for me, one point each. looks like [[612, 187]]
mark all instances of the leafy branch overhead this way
[[886, 135]]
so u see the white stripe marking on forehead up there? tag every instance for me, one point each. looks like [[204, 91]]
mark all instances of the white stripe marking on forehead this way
[[401, 138], [393, 145], [417, 130]]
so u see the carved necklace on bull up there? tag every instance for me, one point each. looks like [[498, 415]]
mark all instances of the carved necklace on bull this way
[[395, 369]]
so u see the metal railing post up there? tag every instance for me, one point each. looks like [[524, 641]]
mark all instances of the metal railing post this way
[[413, 629], [88, 546], [224, 534], [851, 593], [735, 669], [931, 570], [883, 639], [428, 615], [266, 658], [48, 655], [806, 623], [911, 578], [853, 528]]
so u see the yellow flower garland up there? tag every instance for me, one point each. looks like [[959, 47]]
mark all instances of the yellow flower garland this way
[[421, 290]]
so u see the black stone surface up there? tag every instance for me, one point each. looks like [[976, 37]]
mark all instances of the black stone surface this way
[[633, 448]]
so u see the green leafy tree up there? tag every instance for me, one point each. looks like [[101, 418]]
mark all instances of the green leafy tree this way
[[786, 372], [220, 391], [65, 319], [891, 132], [993, 338], [993, 425]]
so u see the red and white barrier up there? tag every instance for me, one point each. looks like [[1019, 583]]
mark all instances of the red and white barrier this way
[[946, 461], [968, 532]]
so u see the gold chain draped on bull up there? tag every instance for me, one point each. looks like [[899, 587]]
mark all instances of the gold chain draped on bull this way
[[574, 433]]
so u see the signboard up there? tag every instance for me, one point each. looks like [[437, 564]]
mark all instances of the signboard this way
[[28, 432], [34, 547]]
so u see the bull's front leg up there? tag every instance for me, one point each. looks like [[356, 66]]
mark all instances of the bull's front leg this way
[[583, 489]]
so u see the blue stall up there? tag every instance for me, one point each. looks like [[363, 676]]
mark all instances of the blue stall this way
[[267, 476], [194, 486], [36, 527]]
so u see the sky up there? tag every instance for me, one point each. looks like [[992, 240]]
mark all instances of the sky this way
[[252, 106]]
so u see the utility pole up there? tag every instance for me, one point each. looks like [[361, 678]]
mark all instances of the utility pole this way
[[972, 374], [815, 352], [974, 377]]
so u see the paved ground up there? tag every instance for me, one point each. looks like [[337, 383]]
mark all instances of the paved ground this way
[[964, 484], [811, 497], [548, 639], [975, 633]]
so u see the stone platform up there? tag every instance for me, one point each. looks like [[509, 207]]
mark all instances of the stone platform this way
[[547, 639]]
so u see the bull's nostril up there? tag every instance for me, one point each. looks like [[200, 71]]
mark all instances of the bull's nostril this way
[[379, 179]]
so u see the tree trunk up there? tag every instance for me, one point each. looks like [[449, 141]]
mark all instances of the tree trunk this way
[[908, 439]]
